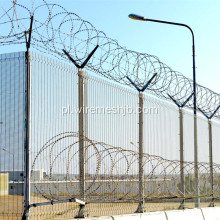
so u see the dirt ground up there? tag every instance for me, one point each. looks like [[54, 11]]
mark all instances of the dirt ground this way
[[11, 207]]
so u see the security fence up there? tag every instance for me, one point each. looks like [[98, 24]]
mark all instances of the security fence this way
[[84, 137]]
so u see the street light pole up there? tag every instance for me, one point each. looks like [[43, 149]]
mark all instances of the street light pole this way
[[142, 18]]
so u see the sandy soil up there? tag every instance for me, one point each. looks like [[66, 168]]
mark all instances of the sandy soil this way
[[11, 207]]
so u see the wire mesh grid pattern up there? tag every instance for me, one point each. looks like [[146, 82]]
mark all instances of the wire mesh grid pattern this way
[[111, 148], [106, 173], [12, 79], [162, 175]]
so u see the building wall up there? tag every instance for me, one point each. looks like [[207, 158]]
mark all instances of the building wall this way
[[18, 175], [12, 88]]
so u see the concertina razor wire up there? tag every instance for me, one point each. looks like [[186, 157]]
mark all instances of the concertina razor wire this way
[[55, 29]]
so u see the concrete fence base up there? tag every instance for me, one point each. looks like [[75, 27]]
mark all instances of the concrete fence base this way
[[187, 214]]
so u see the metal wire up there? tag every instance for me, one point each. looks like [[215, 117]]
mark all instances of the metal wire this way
[[55, 29], [162, 176]]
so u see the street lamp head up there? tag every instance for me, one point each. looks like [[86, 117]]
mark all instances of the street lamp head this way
[[4, 149], [137, 17]]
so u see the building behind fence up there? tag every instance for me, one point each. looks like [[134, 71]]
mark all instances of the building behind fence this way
[[111, 183]]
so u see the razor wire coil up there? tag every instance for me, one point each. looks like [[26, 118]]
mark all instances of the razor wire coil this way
[[107, 180], [55, 29]]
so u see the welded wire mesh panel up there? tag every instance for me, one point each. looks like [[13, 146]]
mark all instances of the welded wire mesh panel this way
[[111, 146], [98, 162], [112, 113], [216, 141], [216, 153], [161, 128], [161, 138], [203, 154], [53, 95], [188, 135], [203, 139], [112, 119], [12, 110]]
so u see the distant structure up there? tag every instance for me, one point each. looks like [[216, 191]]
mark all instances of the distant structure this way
[[4, 184]]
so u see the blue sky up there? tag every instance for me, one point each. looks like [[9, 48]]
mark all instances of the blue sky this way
[[171, 44]]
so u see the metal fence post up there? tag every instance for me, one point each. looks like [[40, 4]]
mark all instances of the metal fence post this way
[[26, 140], [182, 182], [83, 124], [140, 208], [81, 134], [197, 202], [182, 178], [210, 152], [27, 124], [85, 81], [82, 101], [211, 163]]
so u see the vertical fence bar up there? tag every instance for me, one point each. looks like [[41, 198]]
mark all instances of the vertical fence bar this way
[[82, 88], [211, 153], [27, 125], [85, 93], [81, 134], [182, 182], [211, 163], [26, 139], [141, 168], [197, 201]]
